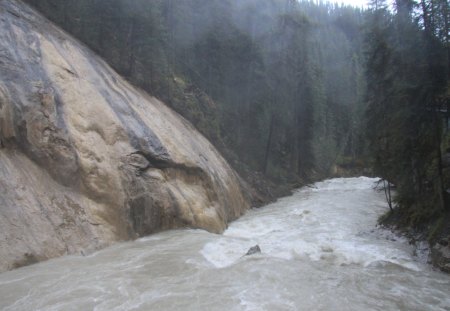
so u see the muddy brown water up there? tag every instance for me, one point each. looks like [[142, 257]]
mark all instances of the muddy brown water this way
[[320, 250]]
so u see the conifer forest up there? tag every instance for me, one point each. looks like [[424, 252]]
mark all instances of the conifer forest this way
[[295, 90]]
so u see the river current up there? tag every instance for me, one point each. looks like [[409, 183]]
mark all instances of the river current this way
[[320, 250]]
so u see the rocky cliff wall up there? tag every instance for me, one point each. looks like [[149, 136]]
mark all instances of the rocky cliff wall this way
[[86, 159]]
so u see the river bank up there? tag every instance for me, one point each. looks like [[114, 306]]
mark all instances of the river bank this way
[[320, 250], [432, 246]]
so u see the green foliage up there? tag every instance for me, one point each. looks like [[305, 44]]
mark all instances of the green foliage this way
[[275, 84], [407, 79], [436, 228]]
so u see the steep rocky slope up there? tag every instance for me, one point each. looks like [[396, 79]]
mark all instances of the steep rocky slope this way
[[86, 159]]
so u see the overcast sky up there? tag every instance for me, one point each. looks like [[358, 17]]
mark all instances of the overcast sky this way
[[359, 3]]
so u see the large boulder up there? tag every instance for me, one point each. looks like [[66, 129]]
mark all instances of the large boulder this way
[[86, 159]]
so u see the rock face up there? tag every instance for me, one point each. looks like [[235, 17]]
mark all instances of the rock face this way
[[440, 255], [86, 159]]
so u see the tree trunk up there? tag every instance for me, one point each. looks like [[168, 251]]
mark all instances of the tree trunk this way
[[441, 188], [269, 143]]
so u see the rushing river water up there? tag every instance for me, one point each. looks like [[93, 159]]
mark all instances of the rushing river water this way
[[320, 251]]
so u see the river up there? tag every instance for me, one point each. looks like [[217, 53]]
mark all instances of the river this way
[[320, 250]]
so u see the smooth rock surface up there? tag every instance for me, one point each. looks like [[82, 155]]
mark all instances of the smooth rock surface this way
[[86, 159]]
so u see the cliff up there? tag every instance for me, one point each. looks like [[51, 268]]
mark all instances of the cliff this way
[[86, 159]]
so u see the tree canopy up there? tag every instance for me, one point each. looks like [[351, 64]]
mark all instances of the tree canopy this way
[[292, 89]]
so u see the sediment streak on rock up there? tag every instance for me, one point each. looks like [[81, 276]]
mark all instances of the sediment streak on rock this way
[[86, 159]]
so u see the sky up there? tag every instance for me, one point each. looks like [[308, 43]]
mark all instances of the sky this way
[[359, 3]]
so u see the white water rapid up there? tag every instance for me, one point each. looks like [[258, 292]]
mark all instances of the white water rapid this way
[[320, 251]]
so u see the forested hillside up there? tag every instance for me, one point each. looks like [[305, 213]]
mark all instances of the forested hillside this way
[[291, 89], [276, 85], [408, 101]]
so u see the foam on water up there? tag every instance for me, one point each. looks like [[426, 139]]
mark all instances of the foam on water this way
[[320, 247], [322, 222]]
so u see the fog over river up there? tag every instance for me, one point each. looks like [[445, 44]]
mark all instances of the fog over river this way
[[320, 250]]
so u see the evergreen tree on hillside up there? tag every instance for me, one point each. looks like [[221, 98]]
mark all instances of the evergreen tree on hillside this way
[[273, 83], [405, 79]]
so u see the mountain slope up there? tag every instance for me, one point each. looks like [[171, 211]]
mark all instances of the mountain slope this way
[[86, 159]]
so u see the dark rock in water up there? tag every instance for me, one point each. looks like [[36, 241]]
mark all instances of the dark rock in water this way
[[253, 250], [440, 257]]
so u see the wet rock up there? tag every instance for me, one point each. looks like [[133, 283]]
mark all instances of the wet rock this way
[[253, 250], [25, 260], [440, 257], [443, 242], [86, 159]]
